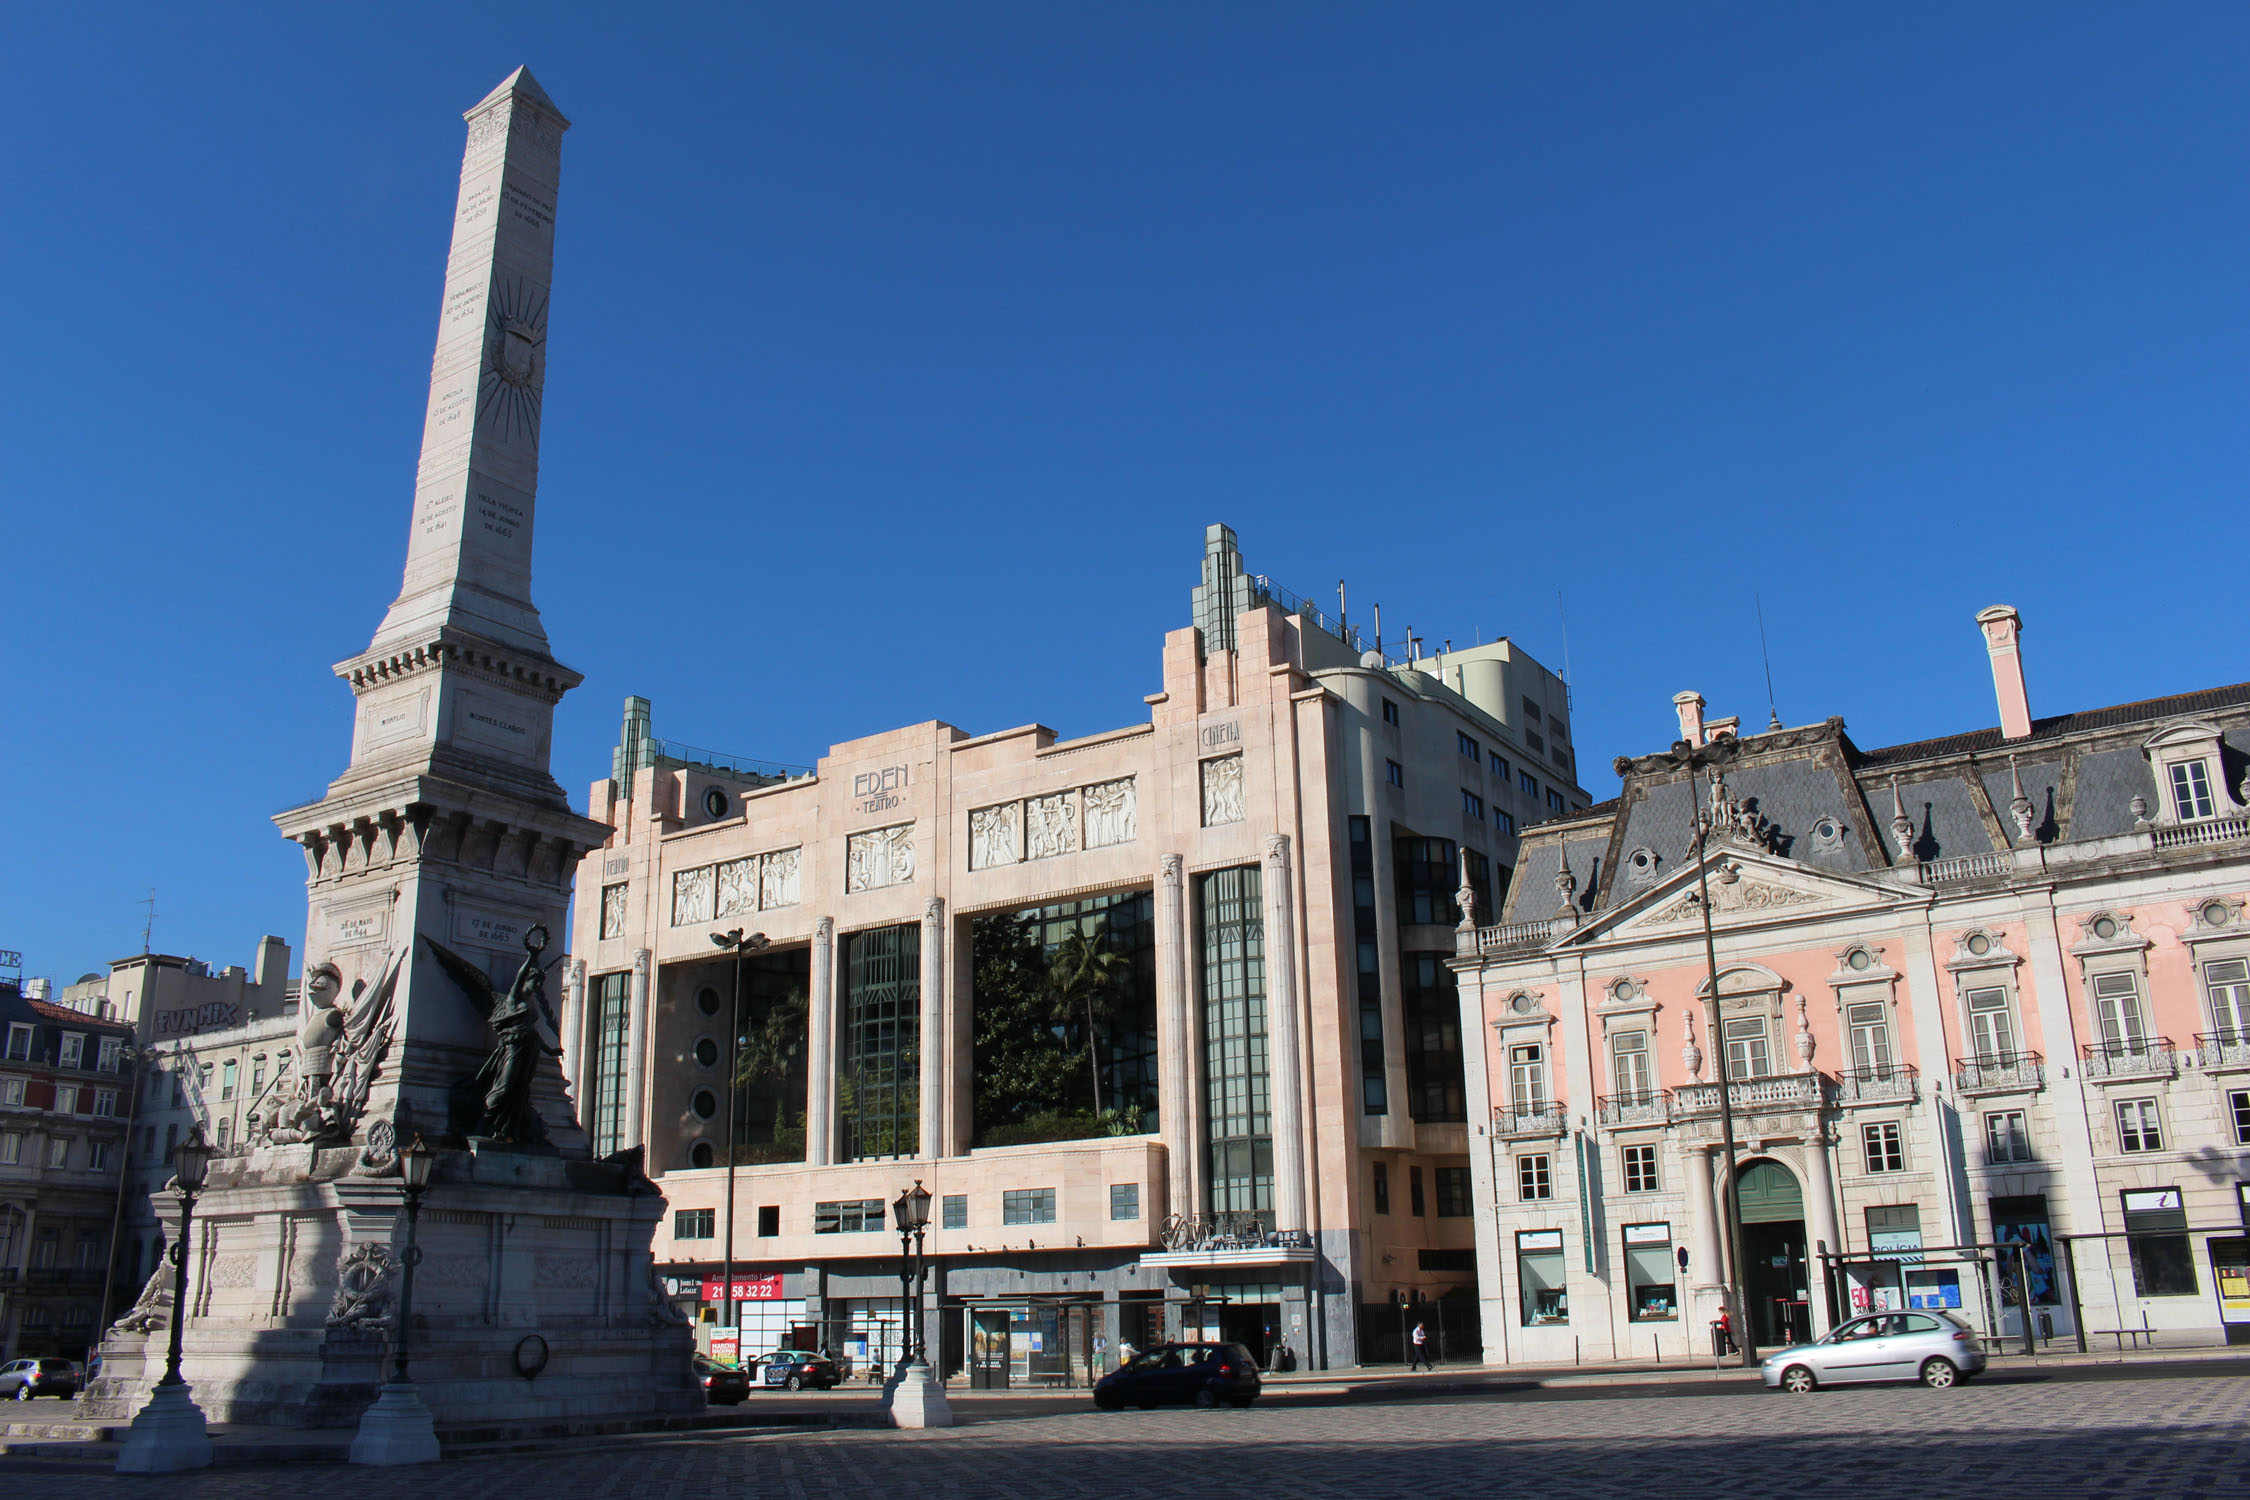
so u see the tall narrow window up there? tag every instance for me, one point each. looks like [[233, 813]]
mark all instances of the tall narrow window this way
[[2191, 790], [1871, 1038], [1992, 1033], [1237, 1082], [1746, 1048], [612, 1020], [1382, 1187], [2117, 1008], [1527, 1078], [1374, 1081], [1416, 1198], [879, 1062], [1630, 1074], [2227, 984], [1435, 1075]]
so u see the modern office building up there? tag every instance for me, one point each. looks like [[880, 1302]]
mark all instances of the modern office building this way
[[1984, 1006], [1161, 1015]]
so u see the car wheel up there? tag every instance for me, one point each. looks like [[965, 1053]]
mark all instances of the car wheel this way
[[1207, 1398], [793, 1383], [1798, 1381], [23, 1393], [1939, 1374], [1241, 1402], [1109, 1403]]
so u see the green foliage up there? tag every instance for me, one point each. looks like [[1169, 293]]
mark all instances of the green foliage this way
[[1087, 975]]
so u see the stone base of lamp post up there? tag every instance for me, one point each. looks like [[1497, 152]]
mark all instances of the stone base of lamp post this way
[[916, 1399], [397, 1429], [167, 1435]]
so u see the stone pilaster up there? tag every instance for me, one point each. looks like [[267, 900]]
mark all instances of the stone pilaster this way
[[820, 1048], [936, 1078], [1178, 1041], [636, 1049], [1284, 1034]]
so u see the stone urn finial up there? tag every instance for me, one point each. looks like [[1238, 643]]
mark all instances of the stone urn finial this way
[[1691, 1054]]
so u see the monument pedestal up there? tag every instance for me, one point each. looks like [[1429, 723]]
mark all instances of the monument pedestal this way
[[168, 1435], [397, 1429], [916, 1398]]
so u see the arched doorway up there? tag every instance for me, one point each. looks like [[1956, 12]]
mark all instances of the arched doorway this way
[[1774, 1280]]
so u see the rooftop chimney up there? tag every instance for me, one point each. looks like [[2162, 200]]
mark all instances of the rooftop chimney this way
[[1690, 705], [272, 964], [2003, 638]]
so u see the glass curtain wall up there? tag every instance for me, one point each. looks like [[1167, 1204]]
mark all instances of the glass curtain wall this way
[[879, 1045], [1237, 1083], [770, 1058], [1065, 1008], [608, 1024]]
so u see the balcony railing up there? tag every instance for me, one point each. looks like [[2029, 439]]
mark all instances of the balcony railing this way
[[2224, 1049], [1892, 1083], [1967, 867], [1515, 935], [1653, 1107], [1782, 1091], [2150, 1057], [2001, 1073], [1540, 1119], [2209, 831], [1231, 1230]]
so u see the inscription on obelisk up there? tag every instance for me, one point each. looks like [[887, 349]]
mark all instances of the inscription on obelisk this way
[[468, 560]]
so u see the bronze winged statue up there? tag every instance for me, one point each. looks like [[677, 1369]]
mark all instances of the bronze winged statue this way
[[495, 1101]]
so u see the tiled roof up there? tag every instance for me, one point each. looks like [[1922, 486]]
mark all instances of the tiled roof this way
[[47, 1010], [2148, 710]]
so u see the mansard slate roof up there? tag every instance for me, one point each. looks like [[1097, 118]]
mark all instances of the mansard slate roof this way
[[2080, 770]]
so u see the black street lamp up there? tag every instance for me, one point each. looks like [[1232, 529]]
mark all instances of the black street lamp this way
[[911, 1214], [414, 1165], [743, 944], [1693, 758], [191, 1165]]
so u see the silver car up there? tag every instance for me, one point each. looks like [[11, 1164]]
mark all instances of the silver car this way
[[1935, 1348]]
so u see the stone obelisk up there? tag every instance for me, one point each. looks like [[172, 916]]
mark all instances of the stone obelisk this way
[[430, 863], [447, 822]]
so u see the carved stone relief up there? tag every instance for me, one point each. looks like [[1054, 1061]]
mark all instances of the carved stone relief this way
[[996, 836], [738, 887], [691, 896], [613, 910], [1052, 824], [879, 857], [1222, 791], [778, 877], [1111, 813]]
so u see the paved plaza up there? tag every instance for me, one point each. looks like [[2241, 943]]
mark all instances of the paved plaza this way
[[2025, 1439]]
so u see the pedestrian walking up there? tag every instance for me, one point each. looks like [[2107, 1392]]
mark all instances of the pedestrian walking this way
[[1421, 1357]]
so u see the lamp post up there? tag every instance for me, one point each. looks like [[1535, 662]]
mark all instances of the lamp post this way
[[916, 1398], [743, 945], [398, 1428], [1694, 758], [169, 1434]]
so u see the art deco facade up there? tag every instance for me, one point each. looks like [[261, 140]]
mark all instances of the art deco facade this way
[[1250, 1116], [1985, 1002]]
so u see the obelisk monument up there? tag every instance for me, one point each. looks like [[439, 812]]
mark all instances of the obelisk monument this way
[[447, 822], [426, 1016]]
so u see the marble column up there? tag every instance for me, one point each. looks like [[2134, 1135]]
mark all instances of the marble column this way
[[1176, 1042], [935, 1032], [636, 1051], [577, 1048], [1820, 1223], [1709, 1268], [1283, 1038], [820, 1048]]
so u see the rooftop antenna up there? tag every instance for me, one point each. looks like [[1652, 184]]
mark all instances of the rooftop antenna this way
[[1565, 619], [148, 927], [1773, 714], [1343, 620], [1379, 631]]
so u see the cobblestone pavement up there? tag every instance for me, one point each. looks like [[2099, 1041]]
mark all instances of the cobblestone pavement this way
[[2185, 1438]]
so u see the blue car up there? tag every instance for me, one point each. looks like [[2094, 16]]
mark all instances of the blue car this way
[[800, 1369], [1181, 1375]]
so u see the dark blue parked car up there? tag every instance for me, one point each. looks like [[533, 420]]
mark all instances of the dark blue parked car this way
[[1177, 1374], [797, 1369]]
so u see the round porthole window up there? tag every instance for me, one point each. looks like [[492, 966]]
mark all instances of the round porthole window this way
[[1980, 945], [1642, 859], [707, 1052], [701, 1155], [716, 802], [707, 1000], [1860, 960], [705, 1104], [1824, 829], [1525, 1005], [2104, 928], [2215, 914]]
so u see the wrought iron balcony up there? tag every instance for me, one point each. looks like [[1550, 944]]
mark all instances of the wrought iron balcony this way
[[2151, 1057], [2001, 1073], [2224, 1049], [1651, 1107], [1775, 1093], [1521, 1124], [1890, 1084]]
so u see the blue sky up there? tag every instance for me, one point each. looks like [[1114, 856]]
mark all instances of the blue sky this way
[[900, 353]]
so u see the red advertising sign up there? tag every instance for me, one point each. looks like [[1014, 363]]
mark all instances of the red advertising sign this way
[[746, 1288]]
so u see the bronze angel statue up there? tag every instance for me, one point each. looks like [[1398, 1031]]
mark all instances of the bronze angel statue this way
[[495, 1102]]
